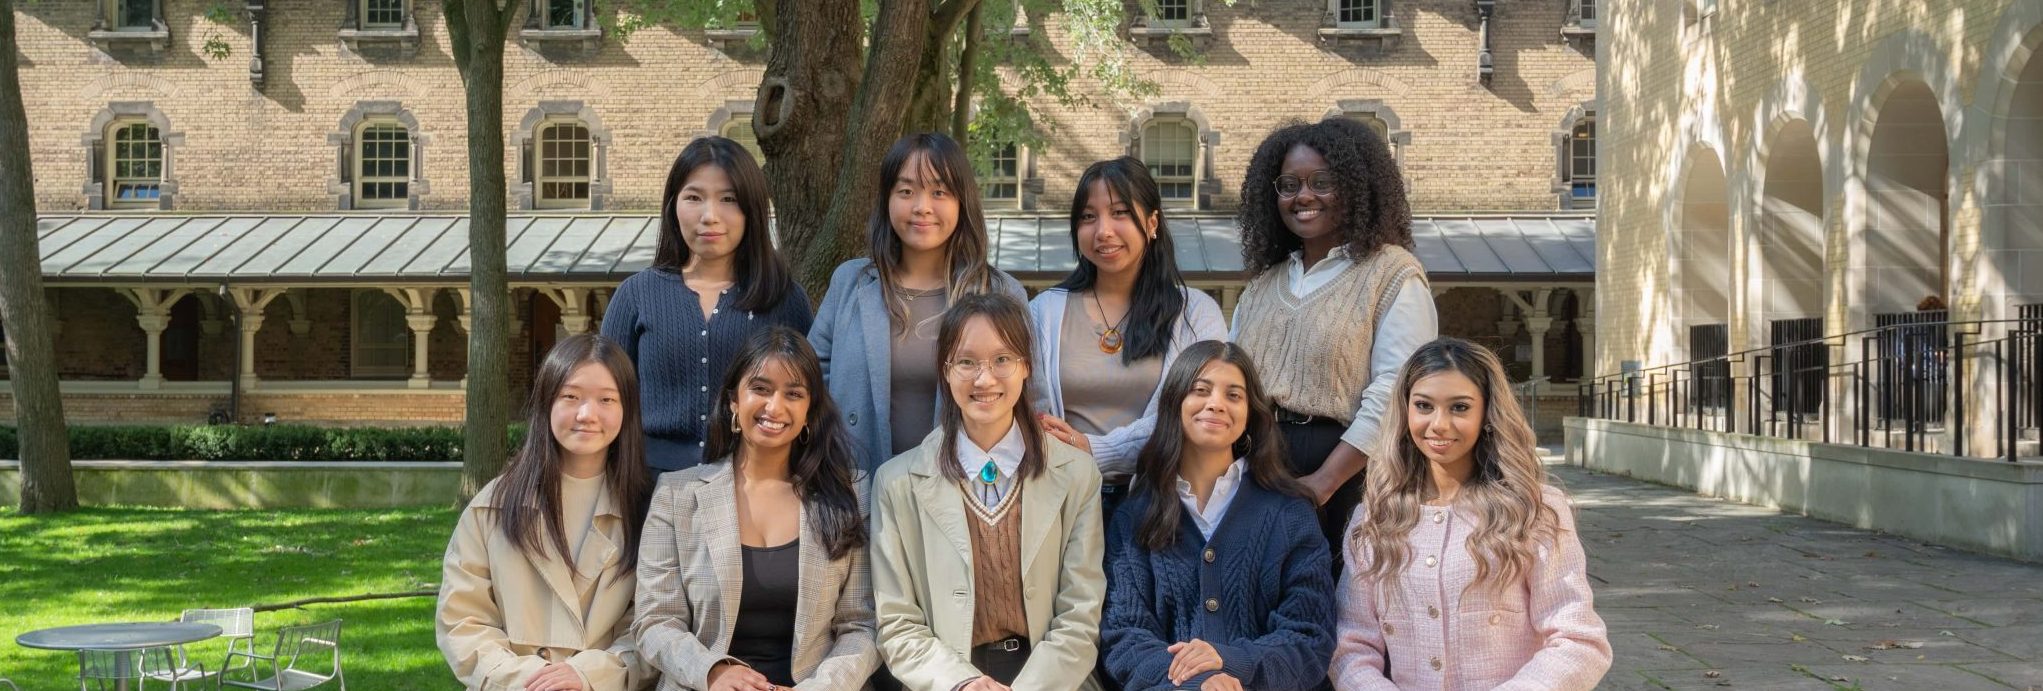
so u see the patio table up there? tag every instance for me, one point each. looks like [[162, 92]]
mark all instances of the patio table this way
[[122, 639]]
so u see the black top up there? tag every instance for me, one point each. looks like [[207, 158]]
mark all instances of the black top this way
[[764, 634], [681, 357]]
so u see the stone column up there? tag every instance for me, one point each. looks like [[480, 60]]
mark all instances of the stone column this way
[[152, 313], [251, 302], [421, 335], [573, 318], [1585, 324]]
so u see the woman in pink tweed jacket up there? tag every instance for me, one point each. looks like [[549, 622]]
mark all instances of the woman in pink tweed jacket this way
[[1463, 567]]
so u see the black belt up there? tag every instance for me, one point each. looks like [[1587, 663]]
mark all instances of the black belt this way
[[1002, 659], [1290, 417]]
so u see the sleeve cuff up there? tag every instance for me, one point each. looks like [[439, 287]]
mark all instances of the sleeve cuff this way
[[1238, 662]]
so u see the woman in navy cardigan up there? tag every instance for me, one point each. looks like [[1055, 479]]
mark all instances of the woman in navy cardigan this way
[[1220, 579]]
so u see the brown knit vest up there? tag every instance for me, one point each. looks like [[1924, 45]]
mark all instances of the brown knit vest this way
[[997, 611], [1313, 353]]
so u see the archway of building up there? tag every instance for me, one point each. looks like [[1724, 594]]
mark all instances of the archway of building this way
[[1703, 239], [1790, 264], [2021, 196], [1906, 229]]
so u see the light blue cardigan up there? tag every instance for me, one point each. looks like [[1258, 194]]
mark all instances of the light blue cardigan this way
[[1116, 450], [853, 337]]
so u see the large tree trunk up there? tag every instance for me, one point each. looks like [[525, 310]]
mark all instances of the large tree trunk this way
[[31, 360], [478, 29], [812, 77]]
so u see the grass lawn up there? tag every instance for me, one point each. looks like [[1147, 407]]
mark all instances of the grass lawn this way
[[115, 565]]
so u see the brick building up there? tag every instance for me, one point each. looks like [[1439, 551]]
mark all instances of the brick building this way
[[1862, 174], [170, 174]]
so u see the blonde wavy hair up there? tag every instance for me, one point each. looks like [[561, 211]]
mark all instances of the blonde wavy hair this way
[[1512, 518]]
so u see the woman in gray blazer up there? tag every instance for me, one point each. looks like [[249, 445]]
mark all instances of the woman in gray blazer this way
[[876, 328], [752, 572]]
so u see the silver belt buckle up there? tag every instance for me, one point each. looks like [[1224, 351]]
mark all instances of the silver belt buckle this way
[[1010, 645]]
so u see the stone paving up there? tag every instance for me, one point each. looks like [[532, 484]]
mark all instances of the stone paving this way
[[1700, 593]]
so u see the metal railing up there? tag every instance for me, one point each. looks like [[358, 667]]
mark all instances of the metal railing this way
[[1919, 380]]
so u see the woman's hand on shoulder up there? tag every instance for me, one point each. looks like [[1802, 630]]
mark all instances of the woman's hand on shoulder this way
[[1064, 432]]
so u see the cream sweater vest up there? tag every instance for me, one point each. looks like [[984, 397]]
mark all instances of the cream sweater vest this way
[[1313, 353]]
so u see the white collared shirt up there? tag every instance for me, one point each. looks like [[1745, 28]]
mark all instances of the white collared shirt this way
[[1224, 487], [1006, 456]]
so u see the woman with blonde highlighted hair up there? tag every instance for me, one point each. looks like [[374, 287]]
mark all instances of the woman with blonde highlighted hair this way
[[1463, 567]]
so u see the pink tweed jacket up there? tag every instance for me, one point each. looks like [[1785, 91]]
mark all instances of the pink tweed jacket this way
[[1537, 635]]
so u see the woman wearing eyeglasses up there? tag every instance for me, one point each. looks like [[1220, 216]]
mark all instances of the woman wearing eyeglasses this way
[[1335, 301], [986, 536]]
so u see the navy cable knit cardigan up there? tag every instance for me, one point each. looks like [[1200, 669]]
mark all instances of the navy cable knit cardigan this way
[[1261, 592]]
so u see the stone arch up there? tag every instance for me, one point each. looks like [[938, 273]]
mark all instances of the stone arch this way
[[342, 138], [522, 193], [2005, 139], [94, 143], [1907, 82], [1208, 186]]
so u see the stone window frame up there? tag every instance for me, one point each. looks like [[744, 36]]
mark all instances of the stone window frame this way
[[734, 114], [1394, 132], [109, 35], [523, 194], [1381, 33], [1384, 18], [382, 40], [96, 144], [562, 41], [1563, 142], [1145, 27], [1582, 15], [1206, 140], [987, 181], [343, 139], [357, 338]]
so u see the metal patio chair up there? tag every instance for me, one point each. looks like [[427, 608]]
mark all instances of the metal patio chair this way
[[107, 670], [311, 644], [237, 625]]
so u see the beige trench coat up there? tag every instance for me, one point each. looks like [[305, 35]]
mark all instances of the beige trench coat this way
[[922, 571], [503, 616]]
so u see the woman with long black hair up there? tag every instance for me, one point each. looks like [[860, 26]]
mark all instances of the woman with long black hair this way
[[715, 280]]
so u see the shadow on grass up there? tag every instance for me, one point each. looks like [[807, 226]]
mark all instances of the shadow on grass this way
[[106, 565]]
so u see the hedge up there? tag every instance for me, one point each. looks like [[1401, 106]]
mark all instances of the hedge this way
[[259, 443]]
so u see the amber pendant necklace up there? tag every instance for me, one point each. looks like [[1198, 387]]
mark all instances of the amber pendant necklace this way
[[1110, 336]]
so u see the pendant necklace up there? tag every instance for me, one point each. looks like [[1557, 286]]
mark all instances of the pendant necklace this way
[[1110, 337], [989, 473]]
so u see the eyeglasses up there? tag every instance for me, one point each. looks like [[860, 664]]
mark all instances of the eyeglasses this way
[[967, 369], [1288, 186]]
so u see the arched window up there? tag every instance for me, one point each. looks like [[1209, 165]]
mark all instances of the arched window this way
[[382, 165], [134, 165], [1582, 163], [563, 163], [739, 129], [1170, 147]]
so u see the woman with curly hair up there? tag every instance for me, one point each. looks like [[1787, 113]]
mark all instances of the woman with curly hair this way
[[1460, 529], [1335, 300]]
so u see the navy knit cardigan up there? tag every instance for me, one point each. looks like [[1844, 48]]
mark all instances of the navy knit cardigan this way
[[1261, 592], [681, 358]]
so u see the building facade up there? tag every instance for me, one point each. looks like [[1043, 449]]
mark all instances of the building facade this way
[[1843, 193], [343, 127]]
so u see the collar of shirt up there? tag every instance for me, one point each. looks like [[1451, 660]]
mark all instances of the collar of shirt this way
[[1216, 504], [1304, 282], [1006, 454]]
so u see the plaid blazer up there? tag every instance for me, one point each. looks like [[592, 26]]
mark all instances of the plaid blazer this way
[[1539, 635], [690, 575]]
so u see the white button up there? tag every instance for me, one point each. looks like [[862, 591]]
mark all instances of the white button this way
[[1494, 618], [705, 332], [702, 443], [714, 311], [1437, 516], [702, 417], [1431, 561], [705, 361], [707, 388]]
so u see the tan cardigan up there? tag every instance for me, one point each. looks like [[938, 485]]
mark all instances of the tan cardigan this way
[[502, 616], [922, 571], [691, 578]]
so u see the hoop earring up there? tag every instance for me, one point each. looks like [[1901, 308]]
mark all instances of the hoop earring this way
[[803, 438], [735, 427]]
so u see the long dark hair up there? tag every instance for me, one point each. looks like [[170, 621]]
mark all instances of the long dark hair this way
[[819, 465], [1261, 445], [763, 278], [1011, 320], [528, 494], [966, 249], [1159, 297], [1366, 178]]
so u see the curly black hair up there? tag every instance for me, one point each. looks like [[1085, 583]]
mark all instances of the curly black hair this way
[[1365, 176]]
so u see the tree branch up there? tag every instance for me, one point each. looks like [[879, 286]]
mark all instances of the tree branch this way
[[295, 604], [968, 58], [944, 21]]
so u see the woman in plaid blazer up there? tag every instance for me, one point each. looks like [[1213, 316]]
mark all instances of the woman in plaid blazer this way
[[753, 574]]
